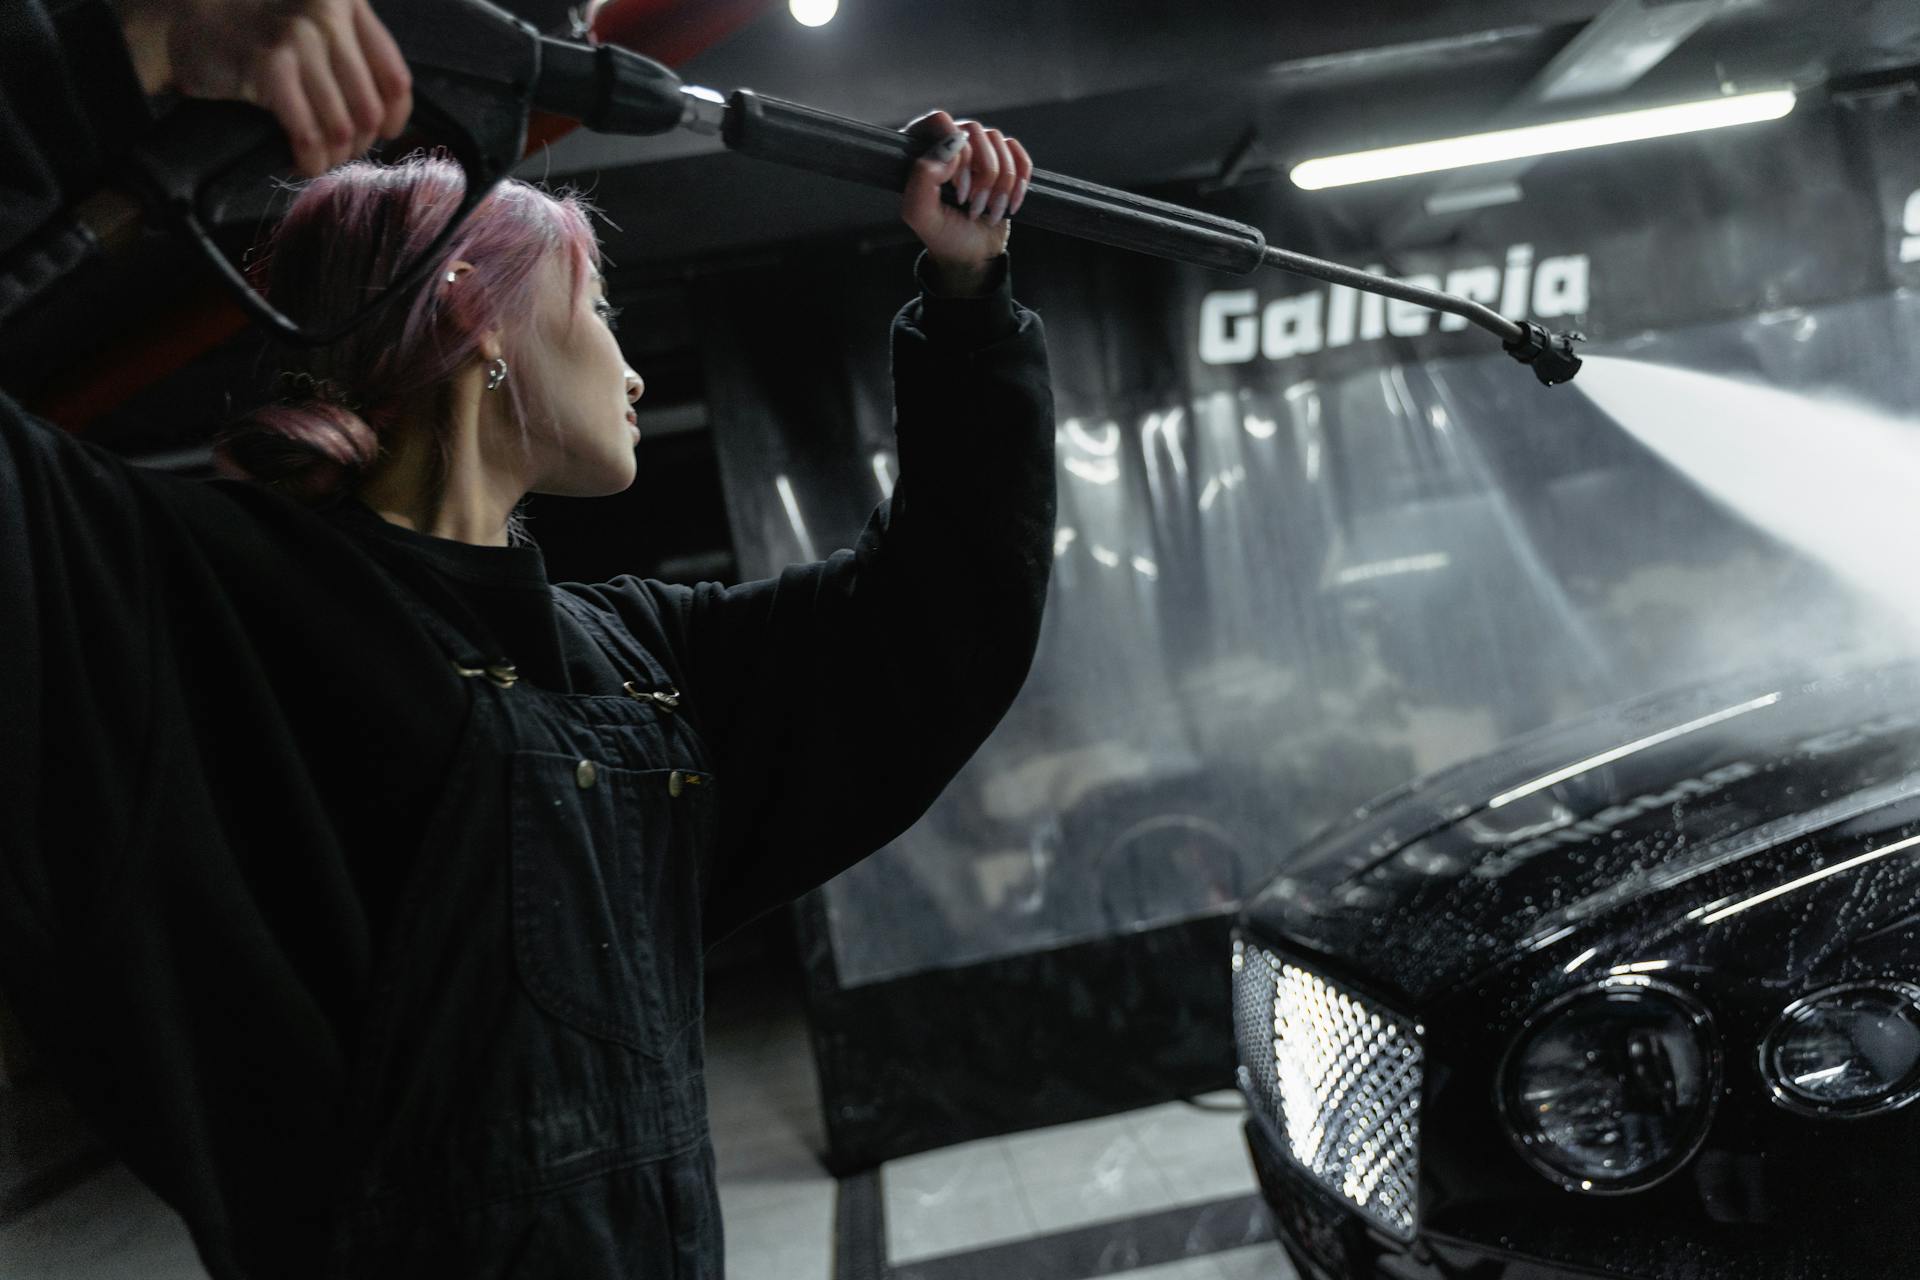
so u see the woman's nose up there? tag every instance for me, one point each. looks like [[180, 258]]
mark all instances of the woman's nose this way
[[635, 387]]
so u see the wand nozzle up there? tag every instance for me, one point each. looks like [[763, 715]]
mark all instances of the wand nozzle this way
[[1550, 354]]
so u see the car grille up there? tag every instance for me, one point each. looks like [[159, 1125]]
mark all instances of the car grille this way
[[1340, 1077]]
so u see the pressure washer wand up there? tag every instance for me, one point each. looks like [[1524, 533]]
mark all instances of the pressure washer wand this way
[[617, 91], [818, 141]]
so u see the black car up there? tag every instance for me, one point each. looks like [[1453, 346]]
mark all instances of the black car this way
[[1636, 995]]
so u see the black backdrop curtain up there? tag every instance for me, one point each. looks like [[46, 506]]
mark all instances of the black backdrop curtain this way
[[1312, 544]]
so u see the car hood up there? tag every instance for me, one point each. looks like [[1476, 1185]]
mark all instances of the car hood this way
[[1690, 805]]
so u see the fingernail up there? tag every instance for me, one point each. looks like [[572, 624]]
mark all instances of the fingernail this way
[[948, 148], [1019, 194], [980, 200], [962, 185], [998, 207]]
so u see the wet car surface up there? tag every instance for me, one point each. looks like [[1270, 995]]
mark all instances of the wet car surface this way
[[1634, 995]]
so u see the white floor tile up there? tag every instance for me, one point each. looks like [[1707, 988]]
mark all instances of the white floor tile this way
[[776, 1198], [780, 1231], [1211, 1174], [950, 1170], [1201, 1154], [110, 1227], [1094, 1171], [947, 1201]]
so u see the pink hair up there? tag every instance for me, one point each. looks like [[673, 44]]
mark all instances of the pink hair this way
[[344, 239]]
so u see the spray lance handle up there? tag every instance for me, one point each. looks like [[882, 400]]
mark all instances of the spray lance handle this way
[[821, 142]]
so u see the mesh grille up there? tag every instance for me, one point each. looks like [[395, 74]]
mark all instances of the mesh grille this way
[[1339, 1075], [1253, 992]]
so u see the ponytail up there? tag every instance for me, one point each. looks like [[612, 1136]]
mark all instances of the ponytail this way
[[312, 447]]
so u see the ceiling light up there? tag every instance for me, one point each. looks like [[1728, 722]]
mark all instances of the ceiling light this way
[[1540, 139], [813, 13]]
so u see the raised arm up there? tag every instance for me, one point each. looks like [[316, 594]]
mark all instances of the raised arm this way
[[842, 696]]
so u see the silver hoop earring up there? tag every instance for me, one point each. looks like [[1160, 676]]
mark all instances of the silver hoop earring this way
[[496, 373]]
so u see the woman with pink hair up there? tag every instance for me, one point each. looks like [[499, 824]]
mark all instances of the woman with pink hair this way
[[354, 877]]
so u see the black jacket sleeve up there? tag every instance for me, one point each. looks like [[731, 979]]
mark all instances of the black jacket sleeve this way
[[69, 101], [77, 630], [214, 718], [841, 697]]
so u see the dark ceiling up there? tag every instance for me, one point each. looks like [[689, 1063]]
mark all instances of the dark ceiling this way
[[1140, 94], [1130, 93]]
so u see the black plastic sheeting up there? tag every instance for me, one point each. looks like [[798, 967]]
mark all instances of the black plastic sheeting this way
[[1311, 545]]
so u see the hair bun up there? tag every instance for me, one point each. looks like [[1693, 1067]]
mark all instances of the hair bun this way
[[299, 385], [311, 448]]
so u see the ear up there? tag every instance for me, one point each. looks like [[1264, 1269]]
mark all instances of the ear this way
[[453, 277]]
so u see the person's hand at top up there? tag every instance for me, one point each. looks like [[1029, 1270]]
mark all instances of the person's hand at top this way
[[989, 172], [327, 69]]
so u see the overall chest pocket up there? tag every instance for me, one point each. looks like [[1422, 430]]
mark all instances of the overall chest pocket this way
[[606, 910]]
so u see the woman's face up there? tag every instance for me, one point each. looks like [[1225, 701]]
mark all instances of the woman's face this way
[[589, 452]]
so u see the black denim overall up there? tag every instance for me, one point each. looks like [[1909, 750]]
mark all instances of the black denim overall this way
[[529, 1098]]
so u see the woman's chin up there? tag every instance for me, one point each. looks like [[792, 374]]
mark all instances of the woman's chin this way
[[617, 479], [615, 475]]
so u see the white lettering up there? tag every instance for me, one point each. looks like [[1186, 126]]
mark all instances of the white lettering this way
[[1340, 315], [1513, 298], [1228, 334], [1910, 247], [1560, 286], [1235, 325], [1291, 327]]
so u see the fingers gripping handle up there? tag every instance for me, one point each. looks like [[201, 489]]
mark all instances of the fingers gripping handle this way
[[821, 142]]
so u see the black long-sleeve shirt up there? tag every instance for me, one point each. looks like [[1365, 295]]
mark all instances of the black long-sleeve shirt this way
[[220, 735]]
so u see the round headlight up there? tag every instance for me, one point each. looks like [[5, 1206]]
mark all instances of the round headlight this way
[[1851, 1050], [1611, 1088]]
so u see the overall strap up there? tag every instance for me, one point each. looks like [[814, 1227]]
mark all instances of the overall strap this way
[[621, 649], [480, 655]]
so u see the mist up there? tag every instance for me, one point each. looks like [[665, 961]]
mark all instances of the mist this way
[[1829, 476]]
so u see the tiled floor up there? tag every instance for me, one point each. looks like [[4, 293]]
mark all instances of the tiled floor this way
[[778, 1202], [1052, 1180]]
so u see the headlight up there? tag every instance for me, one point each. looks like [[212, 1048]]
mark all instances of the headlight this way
[[1850, 1050], [1611, 1088]]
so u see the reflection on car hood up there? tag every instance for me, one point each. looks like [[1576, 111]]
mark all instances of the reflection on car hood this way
[[1628, 817]]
